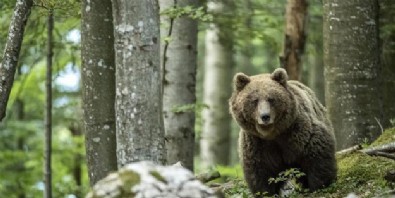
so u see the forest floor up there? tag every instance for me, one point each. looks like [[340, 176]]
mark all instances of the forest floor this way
[[359, 175]]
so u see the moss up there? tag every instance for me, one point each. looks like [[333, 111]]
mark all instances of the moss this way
[[387, 137], [129, 179], [157, 175], [362, 174], [357, 173]]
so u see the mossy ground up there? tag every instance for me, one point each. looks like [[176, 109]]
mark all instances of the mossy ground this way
[[358, 173]]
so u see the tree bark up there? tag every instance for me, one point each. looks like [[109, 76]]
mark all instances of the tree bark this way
[[215, 140], [352, 70], [179, 60], [295, 38], [9, 62], [48, 109], [98, 80], [138, 107]]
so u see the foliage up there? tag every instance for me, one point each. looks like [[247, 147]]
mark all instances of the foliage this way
[[198, 13], [21, 132], [233, 182], [238, 189], [289, 174]]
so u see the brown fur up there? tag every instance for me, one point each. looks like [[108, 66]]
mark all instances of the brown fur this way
[[298, 134]]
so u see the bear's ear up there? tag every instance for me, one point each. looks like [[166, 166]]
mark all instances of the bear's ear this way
[[280, 75], [240, 81]]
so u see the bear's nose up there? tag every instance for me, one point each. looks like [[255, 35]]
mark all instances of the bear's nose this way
[[265, 117]]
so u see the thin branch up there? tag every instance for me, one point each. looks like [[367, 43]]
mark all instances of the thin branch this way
[[382, 154], [12, 49], [48, 110], [349, 150], [381, 127], [386, 148]]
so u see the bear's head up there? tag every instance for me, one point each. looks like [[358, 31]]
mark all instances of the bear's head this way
[[262, 104]]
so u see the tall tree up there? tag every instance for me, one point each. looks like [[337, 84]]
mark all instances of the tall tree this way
[[98, 79], [138, 107], [179, 60], [75, 130], [216, 130], [316, 75], [352, 70], [387, 34], [294, 42], [11, 52], [247, 47], [48, 109], [315, 56]]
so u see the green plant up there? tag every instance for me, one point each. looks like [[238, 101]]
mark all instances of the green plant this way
[[289, 174]]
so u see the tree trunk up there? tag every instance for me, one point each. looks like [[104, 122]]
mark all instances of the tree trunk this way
[[247, 49], [316, 76], [19, 111], [316, 79], [138, 107], [48, 110], [216, 130], [295, 38], [387, 33], [11, 51], [98, 85], [75, 130], [352, 70], [178, 58]]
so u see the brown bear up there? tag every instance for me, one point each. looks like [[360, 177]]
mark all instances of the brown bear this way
[[283, 125]]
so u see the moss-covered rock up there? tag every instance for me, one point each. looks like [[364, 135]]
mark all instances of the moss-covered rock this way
[[361, 174]]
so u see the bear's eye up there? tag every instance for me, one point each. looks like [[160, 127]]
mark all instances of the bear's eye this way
[[270, 100], [255, 101]]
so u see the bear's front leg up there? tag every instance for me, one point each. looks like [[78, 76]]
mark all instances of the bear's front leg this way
[[257, 179], [320, 172], [261, 161], [319, 162]]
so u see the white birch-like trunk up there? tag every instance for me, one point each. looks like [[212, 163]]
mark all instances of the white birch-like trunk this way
[[216, 131], [178, 60], [138, 106]]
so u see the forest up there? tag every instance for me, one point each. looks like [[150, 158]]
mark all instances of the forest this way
[[128, 98]]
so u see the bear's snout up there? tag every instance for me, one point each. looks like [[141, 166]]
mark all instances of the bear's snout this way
[[264, 114], [265, 117]]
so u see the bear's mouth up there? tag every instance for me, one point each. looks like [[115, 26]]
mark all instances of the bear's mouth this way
[[266, 127], [265, 131]]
